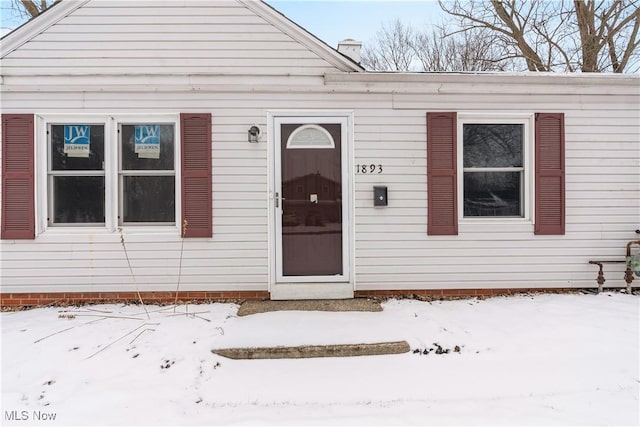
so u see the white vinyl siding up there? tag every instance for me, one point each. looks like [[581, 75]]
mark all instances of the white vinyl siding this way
[[267, 71], [392, 249], [106, 37], [602, 206]]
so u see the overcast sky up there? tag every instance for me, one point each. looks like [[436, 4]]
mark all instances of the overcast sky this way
[[329, 20]]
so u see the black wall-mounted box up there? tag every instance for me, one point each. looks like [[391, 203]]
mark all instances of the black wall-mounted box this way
[[380, 196]]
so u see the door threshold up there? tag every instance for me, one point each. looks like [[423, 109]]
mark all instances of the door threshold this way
[[300, 291]]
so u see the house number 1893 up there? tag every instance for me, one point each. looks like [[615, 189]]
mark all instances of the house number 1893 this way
[[368, 169]]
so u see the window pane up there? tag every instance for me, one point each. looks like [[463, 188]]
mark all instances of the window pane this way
[[61, 160], [147, 147], [78, 199], [148, 199], [492, 193], [493, 145], [310, 136]]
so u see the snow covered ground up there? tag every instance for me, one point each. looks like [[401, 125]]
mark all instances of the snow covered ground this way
[[526, 360]]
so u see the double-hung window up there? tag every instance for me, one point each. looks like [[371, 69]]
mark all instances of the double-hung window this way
[[495, 171], [147, 182], [109, 172], [76, 174]]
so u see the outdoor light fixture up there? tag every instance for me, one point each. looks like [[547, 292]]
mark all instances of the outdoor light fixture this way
[[254, 132]]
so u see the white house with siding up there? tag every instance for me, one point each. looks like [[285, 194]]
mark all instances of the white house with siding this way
[[217, 149]]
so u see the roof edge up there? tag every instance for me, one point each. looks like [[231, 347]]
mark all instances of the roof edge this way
[[37, 25], [302, 35], [529, 77]]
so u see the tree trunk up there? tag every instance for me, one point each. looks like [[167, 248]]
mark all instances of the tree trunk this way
[[585, 14], [31, 7]]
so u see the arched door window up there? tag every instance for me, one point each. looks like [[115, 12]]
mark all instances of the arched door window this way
[[310, 136]]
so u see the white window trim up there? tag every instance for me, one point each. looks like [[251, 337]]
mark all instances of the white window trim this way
[[111, 154], [528, 120]]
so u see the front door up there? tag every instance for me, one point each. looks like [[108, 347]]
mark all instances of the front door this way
[[311, 207]]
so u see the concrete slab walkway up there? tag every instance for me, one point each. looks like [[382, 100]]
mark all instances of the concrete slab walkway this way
[[356, 304]]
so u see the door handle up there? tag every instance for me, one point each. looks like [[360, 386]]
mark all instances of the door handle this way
[[277, 199]]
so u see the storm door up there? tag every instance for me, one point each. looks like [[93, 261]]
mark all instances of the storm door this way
[[310, 200]]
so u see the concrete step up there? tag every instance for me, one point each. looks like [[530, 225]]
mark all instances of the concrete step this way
[[306, 351], [280, 321]]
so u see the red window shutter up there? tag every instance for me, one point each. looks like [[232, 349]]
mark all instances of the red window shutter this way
[[195, 131], [18, 206], [442, 184], [550, 170]]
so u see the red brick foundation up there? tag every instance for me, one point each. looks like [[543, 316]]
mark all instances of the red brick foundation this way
[[461, 293], [16, 300], [67, 298]]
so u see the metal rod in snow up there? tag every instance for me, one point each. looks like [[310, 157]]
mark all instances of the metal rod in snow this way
[[184, 233], [122, 337], [135, 283]]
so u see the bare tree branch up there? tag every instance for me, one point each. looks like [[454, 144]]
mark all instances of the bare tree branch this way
[[531, 56], [564, 35], [632, 47], [391, 49], [28, 9], [434, 50]]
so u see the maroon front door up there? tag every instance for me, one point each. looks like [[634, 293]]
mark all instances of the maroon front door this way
[[311, 200]]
